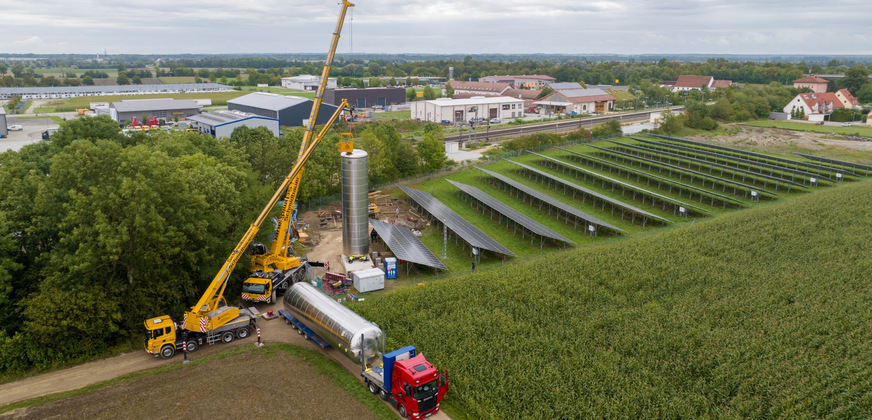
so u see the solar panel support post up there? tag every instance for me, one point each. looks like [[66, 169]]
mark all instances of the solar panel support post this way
[[444, 241]]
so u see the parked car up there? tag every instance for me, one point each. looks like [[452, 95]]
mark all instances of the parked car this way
[[15, 128], [819, 123], [846, 124], [496, 121]]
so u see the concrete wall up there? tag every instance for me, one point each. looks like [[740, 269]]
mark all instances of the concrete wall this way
[[3, 131]]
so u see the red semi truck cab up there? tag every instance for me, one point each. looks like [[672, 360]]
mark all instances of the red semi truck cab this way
[[414, 386]]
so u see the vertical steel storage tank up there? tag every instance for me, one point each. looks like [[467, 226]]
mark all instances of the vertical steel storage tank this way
[[355, 203], [345, 330]]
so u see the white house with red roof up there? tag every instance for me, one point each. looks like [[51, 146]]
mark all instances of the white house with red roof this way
[[816, 84], [814, 103], [685, 83]]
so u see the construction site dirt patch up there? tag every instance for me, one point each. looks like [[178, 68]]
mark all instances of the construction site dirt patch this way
[[248, 385]]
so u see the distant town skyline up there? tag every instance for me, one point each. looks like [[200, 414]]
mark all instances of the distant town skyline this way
[[798, 27]]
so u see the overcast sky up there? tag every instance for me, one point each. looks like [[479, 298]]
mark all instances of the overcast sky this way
[[439, 26]]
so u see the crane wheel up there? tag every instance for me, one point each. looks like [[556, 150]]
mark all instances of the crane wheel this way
[[191, 346], [227, 336], [242, 333]]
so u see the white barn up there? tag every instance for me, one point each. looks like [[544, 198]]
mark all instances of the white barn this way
[[463, 110]]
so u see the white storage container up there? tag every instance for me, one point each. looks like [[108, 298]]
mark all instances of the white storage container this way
[[368, 280]]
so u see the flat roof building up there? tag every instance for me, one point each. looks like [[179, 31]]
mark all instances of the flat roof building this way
[[463, 110], [307, 82], [222, 123], [167, 109], [291, 111], [366, 97], [74, 91]]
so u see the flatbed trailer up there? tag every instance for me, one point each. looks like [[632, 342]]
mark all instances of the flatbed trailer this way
[[302, 329]]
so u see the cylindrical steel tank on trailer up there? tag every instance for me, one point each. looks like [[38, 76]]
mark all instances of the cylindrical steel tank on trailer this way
[[355, 203], [345, 330]]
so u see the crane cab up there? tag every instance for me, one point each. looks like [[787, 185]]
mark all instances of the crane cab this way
[[160, 336]]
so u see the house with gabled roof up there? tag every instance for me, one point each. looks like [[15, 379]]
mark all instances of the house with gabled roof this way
[[816, 84], [686, 82], [814, 104], [528, 95], [578, 101], [847, 100]]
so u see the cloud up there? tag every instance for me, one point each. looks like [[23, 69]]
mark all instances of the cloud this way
[[438, 26]]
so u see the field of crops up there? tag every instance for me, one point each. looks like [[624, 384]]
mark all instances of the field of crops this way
[[757, 313]]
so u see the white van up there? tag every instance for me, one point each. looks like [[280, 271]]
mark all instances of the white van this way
[[15, 128]]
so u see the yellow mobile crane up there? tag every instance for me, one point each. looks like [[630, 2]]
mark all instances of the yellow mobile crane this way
[[210, 319]]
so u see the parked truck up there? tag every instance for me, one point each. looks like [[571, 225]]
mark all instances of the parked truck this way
[[403, 378], [163, 337]]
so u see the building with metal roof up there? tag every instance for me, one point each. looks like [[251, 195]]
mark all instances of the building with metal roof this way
[[166, 109], [578, 101], [291, 111], [366, 97], [61, 92], [222, 123]]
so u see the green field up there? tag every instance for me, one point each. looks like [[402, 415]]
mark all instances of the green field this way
[[218, 98], [855, 130], [758, 313]]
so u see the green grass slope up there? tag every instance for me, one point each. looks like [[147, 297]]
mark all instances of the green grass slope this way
[[759, 313]]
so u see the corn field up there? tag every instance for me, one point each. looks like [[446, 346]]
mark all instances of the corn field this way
[[756, 314]]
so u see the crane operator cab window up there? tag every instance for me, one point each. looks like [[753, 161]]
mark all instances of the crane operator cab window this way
[[253, 288]]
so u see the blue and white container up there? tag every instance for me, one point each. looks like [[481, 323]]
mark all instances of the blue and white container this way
[[390, 268]]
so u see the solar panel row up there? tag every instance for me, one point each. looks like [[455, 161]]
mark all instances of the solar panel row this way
[[592, 193], [469, 233], [552, 201], [405, 245], [514, 215]]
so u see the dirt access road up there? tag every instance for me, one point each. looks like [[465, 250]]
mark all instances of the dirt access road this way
[[328, 248]]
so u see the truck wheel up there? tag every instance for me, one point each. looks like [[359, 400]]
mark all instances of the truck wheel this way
[[273, 297], [383, 394], [167, 351], [192, 346], [373, 388], [227, 336], [402, 411], [242, 333], [288, 321]]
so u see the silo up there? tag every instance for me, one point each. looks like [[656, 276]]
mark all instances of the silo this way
[[355, 203]]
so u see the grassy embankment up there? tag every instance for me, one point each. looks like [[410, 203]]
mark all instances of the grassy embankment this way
[[757, 313], [854, 130]]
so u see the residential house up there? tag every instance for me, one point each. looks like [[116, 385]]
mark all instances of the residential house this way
[[686, 83], [813, 103], [578, 101], [528, 95], [847, 100], [816, 84]]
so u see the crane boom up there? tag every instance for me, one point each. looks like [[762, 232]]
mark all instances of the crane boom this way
[[210, 311], [282, 239]]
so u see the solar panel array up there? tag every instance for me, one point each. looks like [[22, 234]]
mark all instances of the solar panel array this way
[[405, 245], [453, 221], [516, 216], [592, 193], [621, 184], [551, 201]]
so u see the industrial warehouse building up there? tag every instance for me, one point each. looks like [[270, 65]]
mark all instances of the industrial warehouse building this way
[[166, 109], [463, 110], [61, 92], [222, 123], [291, 111], [307, 82], [366, 97]]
